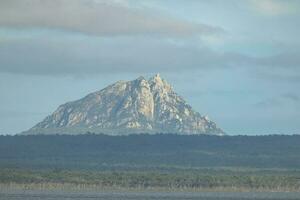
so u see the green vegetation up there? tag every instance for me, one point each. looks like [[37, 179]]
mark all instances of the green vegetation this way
[[167, 162], [96, 152], [223, 180]]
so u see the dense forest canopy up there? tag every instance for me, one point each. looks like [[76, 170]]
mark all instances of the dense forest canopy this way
[[149, 151]]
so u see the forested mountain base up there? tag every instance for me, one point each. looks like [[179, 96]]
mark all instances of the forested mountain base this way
[[167, 162]]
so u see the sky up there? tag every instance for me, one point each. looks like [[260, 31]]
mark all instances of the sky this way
[[236, 61]]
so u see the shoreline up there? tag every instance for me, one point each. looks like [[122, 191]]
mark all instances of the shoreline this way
[[71, 187]]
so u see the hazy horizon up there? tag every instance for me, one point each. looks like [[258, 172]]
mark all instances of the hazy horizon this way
[[235, 61]]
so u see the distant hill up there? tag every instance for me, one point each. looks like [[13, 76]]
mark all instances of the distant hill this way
[[126, 107], [149, 151]]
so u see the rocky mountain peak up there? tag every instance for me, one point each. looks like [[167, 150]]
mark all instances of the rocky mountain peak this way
[[156, 79], [156, 82], [125, 107]]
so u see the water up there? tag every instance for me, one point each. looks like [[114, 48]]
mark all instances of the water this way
[[58, 195]]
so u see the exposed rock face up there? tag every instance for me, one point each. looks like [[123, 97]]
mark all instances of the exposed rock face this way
[[138, 106]]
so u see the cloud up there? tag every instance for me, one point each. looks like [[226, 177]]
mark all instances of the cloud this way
[[91, 56], [291, 97], [279, 101], [275, 7], [78, 56], [287, 59], [100, 18], [281, 67], [279, 76]]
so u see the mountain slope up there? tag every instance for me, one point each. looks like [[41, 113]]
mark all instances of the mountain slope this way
[[138, 106]]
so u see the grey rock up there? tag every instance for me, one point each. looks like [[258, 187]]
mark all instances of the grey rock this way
[[128, 107]]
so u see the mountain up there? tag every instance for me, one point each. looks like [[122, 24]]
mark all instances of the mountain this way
[[126, 107]]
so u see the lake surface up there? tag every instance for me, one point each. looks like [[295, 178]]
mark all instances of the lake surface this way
[[58, 195]]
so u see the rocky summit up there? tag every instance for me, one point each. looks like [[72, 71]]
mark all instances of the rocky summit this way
[[128, 107]]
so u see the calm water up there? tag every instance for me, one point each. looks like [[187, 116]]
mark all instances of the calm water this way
[[35, 195]]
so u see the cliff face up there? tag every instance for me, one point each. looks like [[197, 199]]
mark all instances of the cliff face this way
[[138, 106]]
